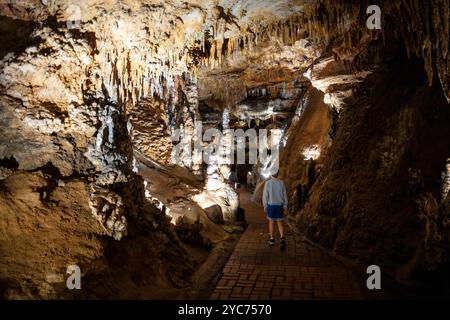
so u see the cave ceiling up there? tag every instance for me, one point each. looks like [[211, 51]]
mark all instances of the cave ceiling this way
[[134, 42]]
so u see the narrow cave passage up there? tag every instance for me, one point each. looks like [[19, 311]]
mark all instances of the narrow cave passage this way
[[144, 144]]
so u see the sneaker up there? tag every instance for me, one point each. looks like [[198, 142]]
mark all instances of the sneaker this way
[[271, 242], [282, 244]]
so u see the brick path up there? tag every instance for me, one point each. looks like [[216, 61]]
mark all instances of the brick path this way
[[256, 271]]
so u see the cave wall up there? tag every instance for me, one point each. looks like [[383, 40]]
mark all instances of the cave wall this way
[[308, 130], [377, 190], [422, 26], [64, 130], [378, 196]]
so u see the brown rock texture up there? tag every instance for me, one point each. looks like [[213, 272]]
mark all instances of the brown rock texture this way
[[376, 197]]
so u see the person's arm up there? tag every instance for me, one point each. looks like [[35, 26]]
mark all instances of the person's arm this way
[[265, 197]]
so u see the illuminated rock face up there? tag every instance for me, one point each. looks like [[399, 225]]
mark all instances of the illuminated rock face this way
[[372, 194], [82, 84]]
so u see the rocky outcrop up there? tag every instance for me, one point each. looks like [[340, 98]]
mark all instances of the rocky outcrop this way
[[63, 108], [377, 197], [422, 27], [107, 208]]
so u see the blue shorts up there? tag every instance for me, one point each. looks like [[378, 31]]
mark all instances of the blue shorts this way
[[275, 212]]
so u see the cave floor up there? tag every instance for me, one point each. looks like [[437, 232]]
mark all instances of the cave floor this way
[[302, 271]]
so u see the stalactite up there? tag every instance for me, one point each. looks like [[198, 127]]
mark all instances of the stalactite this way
[[423, 26], [128, 74], [286, 32], [136, 75]]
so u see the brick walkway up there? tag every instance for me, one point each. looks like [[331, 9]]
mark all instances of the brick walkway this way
[[256, 271]]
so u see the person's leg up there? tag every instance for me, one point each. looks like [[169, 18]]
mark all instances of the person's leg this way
[[281, 228], [271, 238], [271, 229]]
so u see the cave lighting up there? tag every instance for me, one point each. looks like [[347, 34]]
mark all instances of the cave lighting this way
[[311, 152]]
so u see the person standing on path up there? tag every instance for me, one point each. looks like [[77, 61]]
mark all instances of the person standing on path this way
[[275, 205]]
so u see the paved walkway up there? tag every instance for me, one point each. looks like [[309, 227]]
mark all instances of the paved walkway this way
[[256, 271]]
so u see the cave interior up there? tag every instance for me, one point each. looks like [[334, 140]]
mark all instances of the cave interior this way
[[105, 105]]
